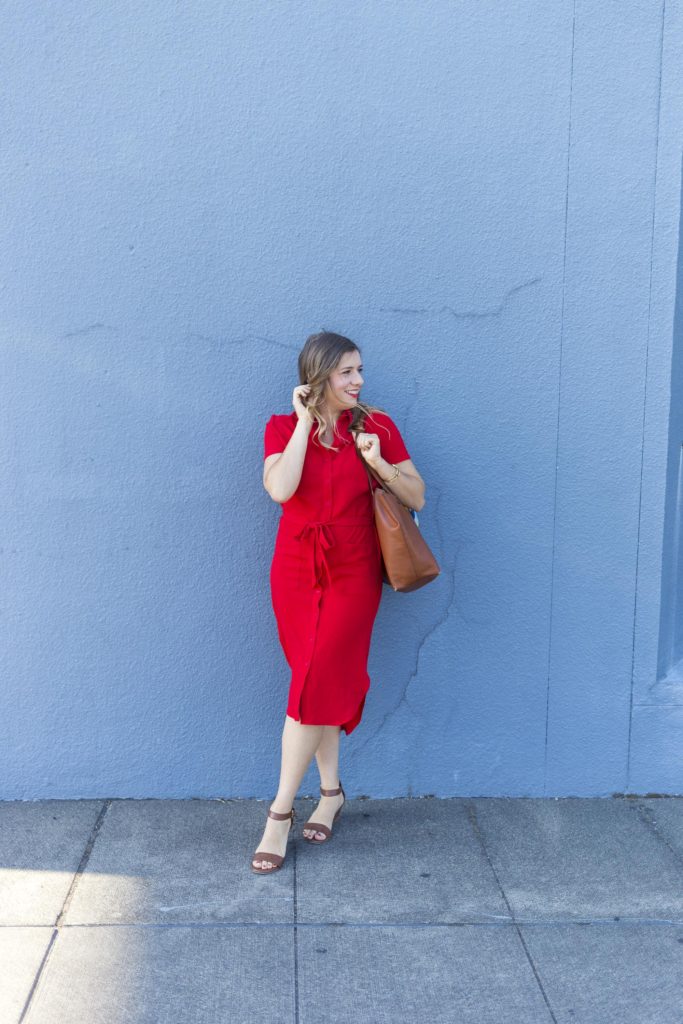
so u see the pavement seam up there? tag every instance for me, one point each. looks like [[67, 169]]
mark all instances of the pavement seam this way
[[560, 922], [644, 812], [83, 863], [85, 857], [39, 973], [472, 815]]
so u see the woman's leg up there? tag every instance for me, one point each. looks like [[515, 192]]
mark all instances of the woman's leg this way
[[299, 743], [327, 756]]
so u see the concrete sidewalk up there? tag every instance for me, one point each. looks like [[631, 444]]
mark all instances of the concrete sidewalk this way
[[476, 911]]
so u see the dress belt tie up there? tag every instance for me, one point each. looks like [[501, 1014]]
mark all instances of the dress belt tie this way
[[323, 539]]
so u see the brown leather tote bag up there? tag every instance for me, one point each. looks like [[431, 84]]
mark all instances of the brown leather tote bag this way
[[407, 561]]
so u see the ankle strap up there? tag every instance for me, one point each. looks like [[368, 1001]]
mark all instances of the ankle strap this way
[[331, 792], [280, 816]]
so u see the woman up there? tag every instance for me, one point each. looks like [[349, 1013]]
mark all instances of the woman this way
[[326, 572]]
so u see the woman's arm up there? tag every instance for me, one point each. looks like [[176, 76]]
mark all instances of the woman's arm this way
[[282, 471], [409, 487]]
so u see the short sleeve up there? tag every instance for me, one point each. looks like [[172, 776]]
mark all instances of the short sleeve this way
[[276, 435], [391, 444]]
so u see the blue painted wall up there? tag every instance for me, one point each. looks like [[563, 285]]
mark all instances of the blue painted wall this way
[[486, 198]]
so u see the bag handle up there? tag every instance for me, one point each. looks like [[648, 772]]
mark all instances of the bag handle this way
[[377, 477]]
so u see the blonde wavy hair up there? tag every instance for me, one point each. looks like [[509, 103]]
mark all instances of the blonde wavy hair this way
[[318, 358]]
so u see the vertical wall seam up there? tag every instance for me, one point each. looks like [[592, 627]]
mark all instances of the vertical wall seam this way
[[559, 393], [642, 440]]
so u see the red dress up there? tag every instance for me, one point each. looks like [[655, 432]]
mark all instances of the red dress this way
[[326, 571]]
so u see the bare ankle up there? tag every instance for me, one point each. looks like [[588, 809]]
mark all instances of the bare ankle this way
[[279, 810]]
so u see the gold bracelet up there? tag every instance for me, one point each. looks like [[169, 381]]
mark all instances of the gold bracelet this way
[[392, 478]]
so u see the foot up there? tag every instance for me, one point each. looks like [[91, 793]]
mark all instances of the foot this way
[[324, 813], [274, 840]]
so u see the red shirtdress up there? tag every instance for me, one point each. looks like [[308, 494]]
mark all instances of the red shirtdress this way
[[326, 571]]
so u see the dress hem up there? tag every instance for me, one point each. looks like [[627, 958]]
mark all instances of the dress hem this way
[[348, 725]]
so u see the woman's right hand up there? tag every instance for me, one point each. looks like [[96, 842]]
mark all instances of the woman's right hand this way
[[301, 392]]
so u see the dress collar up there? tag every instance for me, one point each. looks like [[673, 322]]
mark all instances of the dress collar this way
[[343, 421]]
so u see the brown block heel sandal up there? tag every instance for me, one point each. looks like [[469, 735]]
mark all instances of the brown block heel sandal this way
[[317, 825], [275, 859]]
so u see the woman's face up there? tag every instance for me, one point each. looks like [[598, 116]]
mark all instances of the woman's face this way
[[344, 383]]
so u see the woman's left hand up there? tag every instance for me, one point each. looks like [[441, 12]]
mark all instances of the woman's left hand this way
[[368, 446]]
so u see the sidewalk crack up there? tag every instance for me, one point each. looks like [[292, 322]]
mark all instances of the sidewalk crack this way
[[85, 857], [472, 814]]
